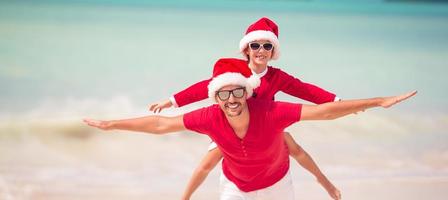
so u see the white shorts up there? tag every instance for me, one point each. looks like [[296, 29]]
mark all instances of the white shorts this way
[[212, 146], [283, 190]]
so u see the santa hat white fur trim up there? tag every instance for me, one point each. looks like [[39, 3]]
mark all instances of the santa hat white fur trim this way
[[261, 35], [232, 78]]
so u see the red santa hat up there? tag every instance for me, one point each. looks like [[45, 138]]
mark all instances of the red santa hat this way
[[263, 29], [232, 71]]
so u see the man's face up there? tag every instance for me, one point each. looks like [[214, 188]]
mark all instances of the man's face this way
[[231, 99]]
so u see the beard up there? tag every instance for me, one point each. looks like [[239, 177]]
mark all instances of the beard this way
[[233, 109]]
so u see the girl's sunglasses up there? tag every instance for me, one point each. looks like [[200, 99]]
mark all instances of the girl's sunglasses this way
[[224, 95], [266, 46]]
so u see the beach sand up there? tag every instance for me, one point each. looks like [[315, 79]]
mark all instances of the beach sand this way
[[120, 165]]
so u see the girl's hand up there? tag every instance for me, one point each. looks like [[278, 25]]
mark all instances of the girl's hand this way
[[159, 106]]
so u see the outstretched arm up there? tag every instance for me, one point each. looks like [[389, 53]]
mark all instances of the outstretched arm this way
[[149, 124], [305, 160], [306, 91], [338, 109], [201, 172], [193, 93]]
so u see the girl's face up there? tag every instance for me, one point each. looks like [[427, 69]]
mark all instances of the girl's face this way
[[259, 52]]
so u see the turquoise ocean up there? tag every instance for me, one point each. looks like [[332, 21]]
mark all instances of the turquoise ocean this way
[[61, 61]]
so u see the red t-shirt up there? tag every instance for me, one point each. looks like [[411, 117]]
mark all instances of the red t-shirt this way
[[261, 158]]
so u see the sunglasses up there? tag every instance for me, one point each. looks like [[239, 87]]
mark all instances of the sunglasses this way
[[255, 46], [224, 95]]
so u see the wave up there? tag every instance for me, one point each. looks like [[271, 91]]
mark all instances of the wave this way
[[65, 116], [383, 141]]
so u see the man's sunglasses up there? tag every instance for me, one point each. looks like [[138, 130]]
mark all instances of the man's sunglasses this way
[[224, 95], [255, 46]]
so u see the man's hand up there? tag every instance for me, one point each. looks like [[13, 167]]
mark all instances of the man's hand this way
[[390, 101], [330, 188], [104, 125], [159, 106]]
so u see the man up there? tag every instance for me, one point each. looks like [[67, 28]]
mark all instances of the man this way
[[249, 132]]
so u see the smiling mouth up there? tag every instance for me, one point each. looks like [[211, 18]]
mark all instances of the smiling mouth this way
[[233, 105], [260, 57]]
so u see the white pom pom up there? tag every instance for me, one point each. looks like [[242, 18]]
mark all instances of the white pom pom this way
[[253, 81]]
